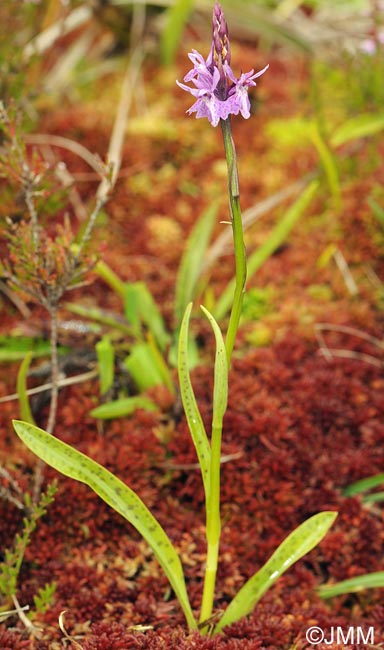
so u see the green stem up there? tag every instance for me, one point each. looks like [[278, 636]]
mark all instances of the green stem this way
[[213, 525], [238, 237]]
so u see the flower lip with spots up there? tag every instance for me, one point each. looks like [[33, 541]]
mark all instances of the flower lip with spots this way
[[218, 92]]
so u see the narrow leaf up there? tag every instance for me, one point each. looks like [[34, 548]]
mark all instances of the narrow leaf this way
[[115, 321], [176, 18], [140, 307], [353, 585], [192, 413], [360, 126], [363, 485], [328, 161], [161, 364], [14, 348], [22, 392], [302, 540], [192, 259], [116, 494], [220, 392], [105, 273], [106, 361], [122, 407]]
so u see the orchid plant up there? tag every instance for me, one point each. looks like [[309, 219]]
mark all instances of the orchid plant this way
[[219, 95]]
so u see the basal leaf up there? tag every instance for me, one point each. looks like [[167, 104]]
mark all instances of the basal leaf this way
[[140, 307], [192, 413], [106, 361], [116, 494], [302, 540], [220, 393], [143, 365], [122, 407]]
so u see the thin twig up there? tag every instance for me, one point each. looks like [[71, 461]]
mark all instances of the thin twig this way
[[12, 612], [351, 354], [78, 149], [64, 25], [14, 484], [345, 272], [6, 492], [16, 300], [117, 138], [33, 215], [329, 353], [24, 619], [67, 381], [54, 371]]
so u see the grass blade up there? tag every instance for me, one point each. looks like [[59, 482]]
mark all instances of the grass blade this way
[[360, 126], [140, 307], [190, 266], [353, 585], [363, 485], [176, 19], [116, 494], [302, 540]]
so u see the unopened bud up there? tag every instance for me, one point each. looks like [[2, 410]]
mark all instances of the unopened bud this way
[[220, 36]]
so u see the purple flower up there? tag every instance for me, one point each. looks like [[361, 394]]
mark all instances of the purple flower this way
[[218, 92]]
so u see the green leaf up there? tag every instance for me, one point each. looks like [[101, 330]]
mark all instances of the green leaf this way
[[220, 392], [14, 348], [140, 307], [277, 237], [106, 360], [353, 585], [122, 407], [116, 494], [375, 497], [143, 365], [192, 259], [21, 388], [98, 315], [302, 540], [192, 413], [357, 127], [363, 485], [110, 277], [102, 316], [328, 161], [176, 17]]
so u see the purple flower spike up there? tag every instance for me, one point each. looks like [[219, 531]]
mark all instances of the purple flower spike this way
[[218, 92]]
